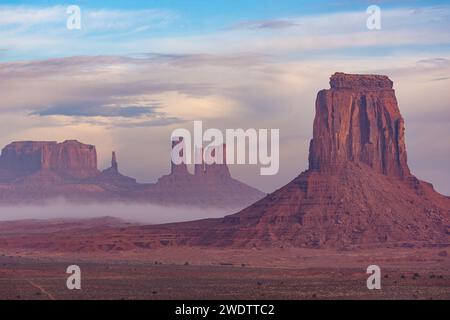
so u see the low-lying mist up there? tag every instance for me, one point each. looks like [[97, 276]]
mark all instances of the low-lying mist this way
[[141, 213]]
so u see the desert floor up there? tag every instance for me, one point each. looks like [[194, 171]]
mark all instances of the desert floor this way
[[195, 273]]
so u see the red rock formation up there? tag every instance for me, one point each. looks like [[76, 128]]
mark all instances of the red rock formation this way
[[114, 164], [71, 158], [358, 190], [38, 171], [179, 169], [111, 179], [220, 170], [199, 168], [358, 120], [211, 185]]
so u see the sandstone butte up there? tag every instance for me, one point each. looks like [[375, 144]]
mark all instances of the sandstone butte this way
[[37, 172], [358, 190]]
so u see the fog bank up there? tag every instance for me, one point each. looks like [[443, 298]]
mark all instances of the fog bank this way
[[142, 213]]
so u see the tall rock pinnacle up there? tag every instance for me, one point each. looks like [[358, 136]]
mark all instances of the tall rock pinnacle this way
[[358, 119], [114, 164], [179, 169]]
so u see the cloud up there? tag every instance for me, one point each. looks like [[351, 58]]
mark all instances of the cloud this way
[[142, 31], [227, 60], [131, 21], [124, 116], [440, 79], [265, 24], [97, 111], [157, 89], [434, 63], [24, 16], [28, 18]]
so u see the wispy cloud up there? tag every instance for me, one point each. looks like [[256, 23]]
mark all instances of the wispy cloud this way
[[21, 17], [154, 90], [227, 60], [28, 18], [265, 24], [102, 30], [97, 111], [441, 79]]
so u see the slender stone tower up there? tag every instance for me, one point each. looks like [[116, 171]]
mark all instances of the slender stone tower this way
[[199, 169], [179, 169], [114, 164]]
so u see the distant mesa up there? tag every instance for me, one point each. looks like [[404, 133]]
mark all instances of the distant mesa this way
[[36, 171], [70, 159]]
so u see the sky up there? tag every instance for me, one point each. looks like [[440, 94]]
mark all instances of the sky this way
[[137, 70]]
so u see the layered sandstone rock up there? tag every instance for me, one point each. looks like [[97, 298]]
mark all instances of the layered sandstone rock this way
[[358, 120], [71, 158]]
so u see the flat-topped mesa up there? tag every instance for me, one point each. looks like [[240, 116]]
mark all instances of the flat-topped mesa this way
[[341, 80], [71, 158], [358, 120]]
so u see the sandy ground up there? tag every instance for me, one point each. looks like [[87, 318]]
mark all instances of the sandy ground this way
[[195, 273]]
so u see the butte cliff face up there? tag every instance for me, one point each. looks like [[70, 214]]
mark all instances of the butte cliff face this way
[[71, 159], [358, 120], [358, 190]]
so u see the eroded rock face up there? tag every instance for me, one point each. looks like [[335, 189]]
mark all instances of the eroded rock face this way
[[69, 158], [358, 120]]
